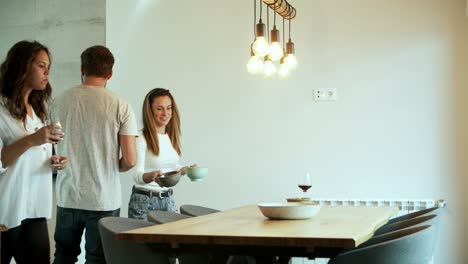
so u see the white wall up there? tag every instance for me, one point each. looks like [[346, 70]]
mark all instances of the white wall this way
[[395, 63], [66, 27]]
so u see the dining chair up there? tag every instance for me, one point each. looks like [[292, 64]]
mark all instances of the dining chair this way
[[412, 222], [196, 210], [410, 246], [127, 252], [432, 210], [161, 217]]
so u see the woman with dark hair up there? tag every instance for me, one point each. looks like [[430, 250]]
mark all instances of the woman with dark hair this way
[[25, 153], [158, 151]]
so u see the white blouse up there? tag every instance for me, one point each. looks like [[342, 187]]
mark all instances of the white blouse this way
[[26, 185], [168, 160]]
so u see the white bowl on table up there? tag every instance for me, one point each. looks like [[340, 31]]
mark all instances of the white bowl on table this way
[[289, 210]]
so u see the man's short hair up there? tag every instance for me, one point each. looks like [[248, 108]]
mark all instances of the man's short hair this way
[[97, 61]]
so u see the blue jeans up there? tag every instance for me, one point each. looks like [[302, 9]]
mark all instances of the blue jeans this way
[[140, 204], [69, 229]]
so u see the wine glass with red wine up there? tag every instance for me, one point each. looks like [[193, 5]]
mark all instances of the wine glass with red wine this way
[[304, 182], [56, 130]]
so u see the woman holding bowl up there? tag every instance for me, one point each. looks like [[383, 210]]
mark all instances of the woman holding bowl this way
[[159, 151]]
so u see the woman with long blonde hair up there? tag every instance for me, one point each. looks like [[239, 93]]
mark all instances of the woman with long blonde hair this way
[[159, 151]]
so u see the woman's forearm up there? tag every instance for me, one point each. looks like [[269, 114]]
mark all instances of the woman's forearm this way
[[12, 152]]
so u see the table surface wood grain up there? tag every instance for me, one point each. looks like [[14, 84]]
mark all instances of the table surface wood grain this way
[[332, 227]]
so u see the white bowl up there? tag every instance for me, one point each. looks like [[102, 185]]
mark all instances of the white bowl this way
[[289, 210]]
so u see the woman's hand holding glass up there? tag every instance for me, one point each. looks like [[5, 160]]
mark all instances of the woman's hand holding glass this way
[[55, 135], [47, 134], [58, 162]]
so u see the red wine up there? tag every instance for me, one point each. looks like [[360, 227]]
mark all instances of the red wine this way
[[304, 188]]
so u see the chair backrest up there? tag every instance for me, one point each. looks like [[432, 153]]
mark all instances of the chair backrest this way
[[431, 210], [126, 252], [410, 246], [196, 210], [412, 222], [161, 217]]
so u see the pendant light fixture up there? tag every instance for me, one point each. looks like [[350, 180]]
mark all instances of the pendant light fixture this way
[[260, 46], [263, 52], [255, 64], [269, 69], [276, 51], [290, 59], [283, 69]]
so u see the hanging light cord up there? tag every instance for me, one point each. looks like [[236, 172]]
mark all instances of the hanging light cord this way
[[260, 9], [274, 20], [255, 18], [289, 30], [284, 36], [268, 24]]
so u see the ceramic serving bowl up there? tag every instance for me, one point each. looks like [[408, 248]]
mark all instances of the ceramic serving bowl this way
[[170, 178], [289, 210], [196, 173]]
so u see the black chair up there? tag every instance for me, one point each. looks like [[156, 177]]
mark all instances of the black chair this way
[[161, 217], [431, 210], [408, 246], [412, 222], [127, 252], [196, 210]]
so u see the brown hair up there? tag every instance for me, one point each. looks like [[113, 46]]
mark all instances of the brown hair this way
[[97, 61], [149, 124], [13, 73]]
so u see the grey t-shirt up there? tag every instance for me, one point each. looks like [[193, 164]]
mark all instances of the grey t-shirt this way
[[92, 118]]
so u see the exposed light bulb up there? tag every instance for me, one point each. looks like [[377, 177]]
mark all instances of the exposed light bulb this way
[[255, 65], [276, 51], [290, 61], [283, 70], [268, 67], [260, 47]]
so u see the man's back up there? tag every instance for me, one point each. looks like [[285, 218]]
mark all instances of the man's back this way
[[92, 119]]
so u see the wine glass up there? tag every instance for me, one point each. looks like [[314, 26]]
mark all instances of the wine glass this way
[[304, 182], [57, 129]]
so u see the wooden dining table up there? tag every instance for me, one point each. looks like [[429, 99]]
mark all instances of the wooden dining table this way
[[245, 231]]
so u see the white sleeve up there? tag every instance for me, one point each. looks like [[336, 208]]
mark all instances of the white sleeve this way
[[128, 124], [141, 157]]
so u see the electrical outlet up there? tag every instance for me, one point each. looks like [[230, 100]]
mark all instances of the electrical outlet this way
[[319, 94], [325, 94]]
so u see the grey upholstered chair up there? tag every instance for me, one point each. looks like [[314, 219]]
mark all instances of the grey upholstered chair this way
[[412, 222], [161, 217], [432, 210], [126, 252], [408, 246], [196, 210]]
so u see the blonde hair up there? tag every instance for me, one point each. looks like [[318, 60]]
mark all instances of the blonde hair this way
[[149, 123]]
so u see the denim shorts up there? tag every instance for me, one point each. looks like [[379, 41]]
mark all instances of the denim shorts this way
[[140, 204]]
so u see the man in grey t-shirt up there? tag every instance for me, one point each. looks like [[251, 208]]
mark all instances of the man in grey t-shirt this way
[[100, 131]]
